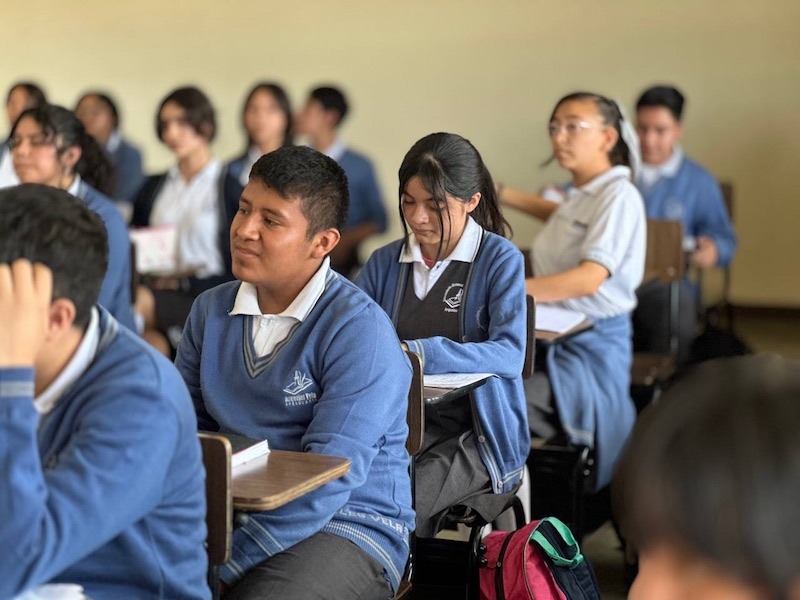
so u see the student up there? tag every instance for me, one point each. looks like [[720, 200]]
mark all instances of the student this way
[[298, 355], [99, 114], [102, 478], [21, 96], [455, 290], [50, 146], [676, 188], [320, 119], [588, 257], [713, 476], [191, 196]]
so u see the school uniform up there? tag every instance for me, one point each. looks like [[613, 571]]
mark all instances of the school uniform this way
[[203, 211], [680, 190], [366, 203], [602, 221], [326, 376], [8, 176], [127, 161], [102, 475], [466, 314], [115, 292]]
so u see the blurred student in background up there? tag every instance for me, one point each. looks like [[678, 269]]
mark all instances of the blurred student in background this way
[[98, 113], [21, 96], [320, 119], [50, 146]]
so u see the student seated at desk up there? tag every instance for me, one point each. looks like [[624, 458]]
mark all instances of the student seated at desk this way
[[50, 146], [588, 257], [455, 290], [21, 96], [677, 188], [298, 355], [712, 480], [191, 196], [102, 480]]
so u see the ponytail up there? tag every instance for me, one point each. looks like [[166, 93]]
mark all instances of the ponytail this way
[[94, 166]]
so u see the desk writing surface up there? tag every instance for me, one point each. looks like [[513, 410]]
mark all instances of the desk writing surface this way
[[438, 395], [551, 337], [277, 478]]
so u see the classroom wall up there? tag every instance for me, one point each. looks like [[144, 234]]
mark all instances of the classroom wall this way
[[488, 70]]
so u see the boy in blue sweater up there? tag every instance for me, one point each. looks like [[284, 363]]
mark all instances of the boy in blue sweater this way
[[298, 355], [102, 480]]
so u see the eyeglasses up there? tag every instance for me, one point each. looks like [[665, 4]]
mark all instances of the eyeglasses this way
[[36, 141], [571, 128]]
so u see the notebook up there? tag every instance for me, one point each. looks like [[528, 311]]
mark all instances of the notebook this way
[[244, 448]]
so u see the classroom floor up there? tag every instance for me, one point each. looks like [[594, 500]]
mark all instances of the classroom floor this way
[[764, 333]]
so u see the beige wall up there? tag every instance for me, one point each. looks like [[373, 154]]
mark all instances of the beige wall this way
[[490, 71]]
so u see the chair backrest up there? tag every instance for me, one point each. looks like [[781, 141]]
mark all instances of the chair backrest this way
[[664, 260], [219, 503], [727, 196], [415, 415], [530, 337], [527, 261]]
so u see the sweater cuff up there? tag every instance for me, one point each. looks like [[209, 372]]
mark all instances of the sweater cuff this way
[[16, 383], [417, 347], [252, 544]]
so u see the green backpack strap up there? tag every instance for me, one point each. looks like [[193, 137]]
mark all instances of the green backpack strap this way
[[566, 535]]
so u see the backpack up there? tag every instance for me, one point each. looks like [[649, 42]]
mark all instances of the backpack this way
[[542, 561]]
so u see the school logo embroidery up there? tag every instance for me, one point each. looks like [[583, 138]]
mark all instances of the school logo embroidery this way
[[300, 382], [452, 297]]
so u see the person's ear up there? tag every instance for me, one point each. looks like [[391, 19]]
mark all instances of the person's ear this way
[[610, 138], [473, 202], [324, 242], [678, 131], [62, 318], [70, 157], [332, 118]]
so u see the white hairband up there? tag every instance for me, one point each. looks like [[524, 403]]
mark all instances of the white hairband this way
[[631, 140]]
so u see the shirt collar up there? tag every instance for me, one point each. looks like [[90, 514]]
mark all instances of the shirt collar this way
[[246, 302], [465, 250], [75, 186], [336, 150], [210, 171], [76, 366], [596, 185], [253, 154], [114, 140]]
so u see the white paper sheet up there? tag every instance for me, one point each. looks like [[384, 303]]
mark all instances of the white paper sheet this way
[[453, 380], [557, 319], [156, 248]]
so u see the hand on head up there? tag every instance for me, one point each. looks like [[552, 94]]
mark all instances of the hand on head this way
[[25, 295]]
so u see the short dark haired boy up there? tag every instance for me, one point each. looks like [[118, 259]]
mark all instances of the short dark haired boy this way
[[297, 354], [320, 119], [102, 480]]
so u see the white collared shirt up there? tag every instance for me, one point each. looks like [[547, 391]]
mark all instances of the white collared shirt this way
[[8, 176], [425, 278], [114, 140], [249, 159], [336, 150], [270, 330], [73, 370], [650, 174], [75, 185], [193, 207]]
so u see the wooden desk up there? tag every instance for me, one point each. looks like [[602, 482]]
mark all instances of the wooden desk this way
[[279, 477], [551, 337], [435, 395]]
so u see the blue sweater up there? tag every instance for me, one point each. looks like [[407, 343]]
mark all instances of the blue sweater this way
[[115, 293], [365, 197], [127, 161], [693, 197], [107, 489], [492, 327], [338, 385]]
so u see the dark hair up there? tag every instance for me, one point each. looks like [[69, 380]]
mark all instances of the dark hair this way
[[47, 225], [298, 172], [104, 99], [197, 108], [36, 96], [64, 130], [449, 165], [277, 92], [331, 98], [663, 95], [715, 468], [620, 154]]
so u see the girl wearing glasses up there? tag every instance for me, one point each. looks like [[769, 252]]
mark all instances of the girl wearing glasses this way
[[454, 289], [589, 257], [21, 95], [49, 145]]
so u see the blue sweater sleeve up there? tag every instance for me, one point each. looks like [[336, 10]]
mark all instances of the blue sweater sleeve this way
[[711, 219], [129, 173], [504, 351], [365, 383], [108, 477], [372, 195]]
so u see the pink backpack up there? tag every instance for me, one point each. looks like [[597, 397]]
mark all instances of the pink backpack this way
[[541, 561]]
